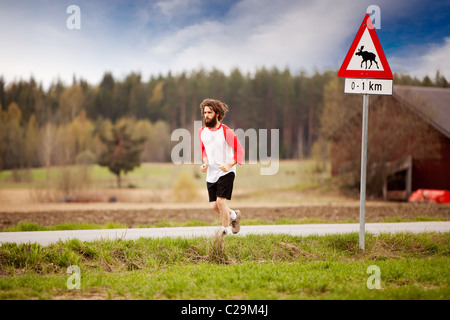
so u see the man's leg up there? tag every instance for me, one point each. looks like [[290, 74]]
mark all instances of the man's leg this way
[[226, 214], [221, 192], [214, 206], [224, 211]]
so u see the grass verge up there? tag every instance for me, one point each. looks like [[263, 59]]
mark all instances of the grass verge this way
[[31, 226], [412, 266]]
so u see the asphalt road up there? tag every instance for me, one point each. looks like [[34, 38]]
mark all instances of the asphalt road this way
[[48, 237]]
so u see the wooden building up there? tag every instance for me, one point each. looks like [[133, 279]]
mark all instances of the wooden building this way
[[408, 142]]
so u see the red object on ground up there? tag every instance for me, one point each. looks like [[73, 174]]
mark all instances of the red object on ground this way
[[430, 195]]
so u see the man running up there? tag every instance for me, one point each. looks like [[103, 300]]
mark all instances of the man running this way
[[221, 151]]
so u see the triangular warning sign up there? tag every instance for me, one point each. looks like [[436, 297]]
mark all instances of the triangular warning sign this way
[[365, 58]]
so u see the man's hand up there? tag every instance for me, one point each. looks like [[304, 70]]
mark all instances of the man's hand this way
[[227, 167], [204, 167]]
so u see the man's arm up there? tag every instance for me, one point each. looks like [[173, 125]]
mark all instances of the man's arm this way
[[233, 142], [226, 167], [204, 165]]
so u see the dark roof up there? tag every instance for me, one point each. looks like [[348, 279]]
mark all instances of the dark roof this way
[[432, 104]]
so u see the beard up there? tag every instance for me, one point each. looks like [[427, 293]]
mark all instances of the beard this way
[[211, 123]]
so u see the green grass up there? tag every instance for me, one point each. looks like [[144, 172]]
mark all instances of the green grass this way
[[297, 174], [148, 175], [413, 266], [416, 219], [31, 226]]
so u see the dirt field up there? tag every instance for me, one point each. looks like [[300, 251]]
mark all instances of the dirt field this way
[[15, 206]]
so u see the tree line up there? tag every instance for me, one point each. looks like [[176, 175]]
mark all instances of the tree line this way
[[65, 123]]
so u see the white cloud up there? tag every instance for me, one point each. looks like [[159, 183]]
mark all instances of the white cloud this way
[[158, 37], [436, 58], [296, 34], [173, 8]]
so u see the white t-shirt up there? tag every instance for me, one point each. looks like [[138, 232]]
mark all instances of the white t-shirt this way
[[220, 146]]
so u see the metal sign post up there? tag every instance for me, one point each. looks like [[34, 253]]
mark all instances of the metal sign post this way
[[367, 72], [362, 204]]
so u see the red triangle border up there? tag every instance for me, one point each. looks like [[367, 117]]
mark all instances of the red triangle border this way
[[373, 74]]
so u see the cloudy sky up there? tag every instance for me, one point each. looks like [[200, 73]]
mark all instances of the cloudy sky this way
[[154, 37]]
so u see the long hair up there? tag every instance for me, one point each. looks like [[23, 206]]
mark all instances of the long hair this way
[[217, 106]]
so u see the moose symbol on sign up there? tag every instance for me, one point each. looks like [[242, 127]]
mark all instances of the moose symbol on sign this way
[[366, 56]]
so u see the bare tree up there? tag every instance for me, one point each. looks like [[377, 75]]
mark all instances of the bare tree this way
[[46, 146]]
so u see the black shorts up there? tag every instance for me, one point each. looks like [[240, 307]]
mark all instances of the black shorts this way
[[221, 188]]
